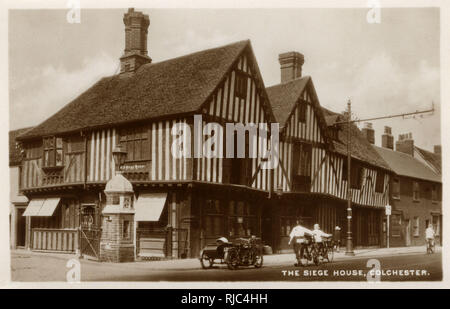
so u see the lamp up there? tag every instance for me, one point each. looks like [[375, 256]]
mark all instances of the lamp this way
[[119, 155]]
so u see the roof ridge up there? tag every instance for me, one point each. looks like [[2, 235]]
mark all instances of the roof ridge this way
[[291, 81]]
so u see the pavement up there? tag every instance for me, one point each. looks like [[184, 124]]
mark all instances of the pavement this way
[[269, 260]]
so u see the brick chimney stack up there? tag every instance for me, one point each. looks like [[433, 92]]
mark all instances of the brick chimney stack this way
[[438, 149], [405, 144], [387, 140], [369, 132], [291, 66], [135, 53]]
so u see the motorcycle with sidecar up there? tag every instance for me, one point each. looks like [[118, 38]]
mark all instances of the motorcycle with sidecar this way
[[241, 252]]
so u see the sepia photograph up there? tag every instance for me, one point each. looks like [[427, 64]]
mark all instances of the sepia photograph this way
[[291, 144]]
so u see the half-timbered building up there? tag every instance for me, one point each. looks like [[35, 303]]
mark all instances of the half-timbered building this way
[[183, 203], [312, 181]]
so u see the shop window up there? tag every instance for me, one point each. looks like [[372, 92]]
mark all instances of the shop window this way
[[241, 85], [302, 167], [416, 227], [396, 188], [136, 143], [241, 219], [286, 225], [416, 192], [53, 151], [379, 184], [213, 219]]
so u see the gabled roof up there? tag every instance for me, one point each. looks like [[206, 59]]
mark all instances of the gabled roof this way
[[361, 149], [283, 97], [405, 165], [176, 86], [15, 157], [432, 158]]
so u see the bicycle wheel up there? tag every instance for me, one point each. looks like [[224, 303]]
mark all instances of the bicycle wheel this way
[[330, 254]]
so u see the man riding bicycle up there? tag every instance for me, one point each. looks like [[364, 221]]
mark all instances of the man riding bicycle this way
[[299, 233], [318, 234], [429, 236]]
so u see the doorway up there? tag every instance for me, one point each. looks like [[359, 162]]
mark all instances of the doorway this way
[[408, 232], [21, 228]]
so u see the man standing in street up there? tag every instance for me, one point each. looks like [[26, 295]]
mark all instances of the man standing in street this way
[[337, 237]]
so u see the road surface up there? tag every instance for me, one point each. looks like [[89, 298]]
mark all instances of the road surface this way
[[406, 267]]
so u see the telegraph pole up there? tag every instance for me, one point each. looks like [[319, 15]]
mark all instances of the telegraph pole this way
[[349, 244]]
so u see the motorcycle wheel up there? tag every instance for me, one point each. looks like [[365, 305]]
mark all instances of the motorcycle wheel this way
[[259, 260], [206, 261], [231, 259]]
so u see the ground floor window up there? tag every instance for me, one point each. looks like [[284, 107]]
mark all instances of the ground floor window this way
[[242, 220]]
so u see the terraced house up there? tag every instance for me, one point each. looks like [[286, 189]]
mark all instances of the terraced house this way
[[183, 203], [416, 195]]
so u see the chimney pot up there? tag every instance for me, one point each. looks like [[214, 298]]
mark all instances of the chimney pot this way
[[291, 65], [405, 144], [369, 132], [135, 53], [387, 140], [438, 149]]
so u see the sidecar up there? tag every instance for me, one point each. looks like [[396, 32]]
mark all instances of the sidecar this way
[[213, 254]]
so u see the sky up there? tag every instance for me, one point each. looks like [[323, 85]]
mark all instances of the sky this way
[[384, 68]]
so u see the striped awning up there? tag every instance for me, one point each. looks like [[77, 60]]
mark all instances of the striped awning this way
[[150, 206], [42, 207]]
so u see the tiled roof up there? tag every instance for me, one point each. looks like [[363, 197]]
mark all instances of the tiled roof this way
[[361, 149], [15, 157], [432, 158], [176, 86], [284, 96], [406, 165]]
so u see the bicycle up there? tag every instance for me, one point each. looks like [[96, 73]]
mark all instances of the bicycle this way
[[306, 251]]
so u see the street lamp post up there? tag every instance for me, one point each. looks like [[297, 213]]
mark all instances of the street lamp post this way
[[349, 243], [119, 155]]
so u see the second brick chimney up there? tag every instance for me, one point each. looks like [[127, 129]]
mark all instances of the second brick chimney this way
[[405, 144], [387, 140], [135, 53], [369, 132], [438, 149], [291, 66]]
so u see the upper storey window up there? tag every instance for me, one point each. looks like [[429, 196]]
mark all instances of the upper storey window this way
[[241, 85], [53, 151], [301, 110], [136, 143]]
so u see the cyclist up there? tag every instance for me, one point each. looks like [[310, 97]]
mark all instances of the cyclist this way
[[429, 236], [299, 232], [318, 234]]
